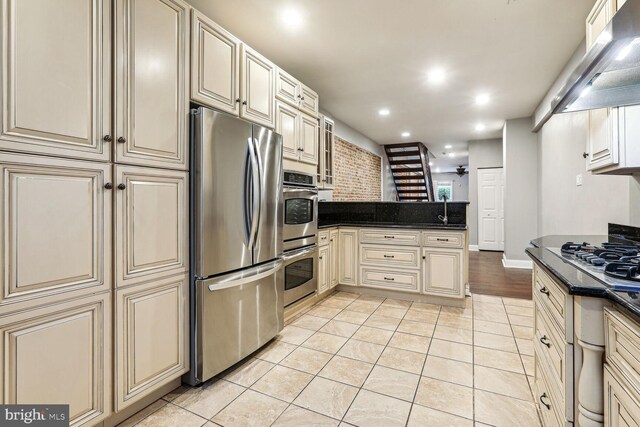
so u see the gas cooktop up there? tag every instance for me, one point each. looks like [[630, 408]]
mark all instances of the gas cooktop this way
[[616, 265]]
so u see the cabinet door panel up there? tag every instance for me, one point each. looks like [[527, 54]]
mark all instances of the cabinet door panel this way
[[151, 224], [287, 126], [151, 327], [287, 88], [348, 260], [621, 405], [215, 65], [602, 139], [151, 100], [257, 82], [443, 272], [76, 339], [56, 227], [334, 254], [308, 139], [56, 79], [308, 101], [323, 269]]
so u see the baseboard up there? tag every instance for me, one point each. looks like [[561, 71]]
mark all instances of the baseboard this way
[[474, 248], [516, 263]]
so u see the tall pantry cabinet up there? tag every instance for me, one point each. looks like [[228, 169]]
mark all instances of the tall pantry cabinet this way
[[94, 191]]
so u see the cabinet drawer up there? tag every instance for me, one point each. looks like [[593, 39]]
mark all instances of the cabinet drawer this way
[[390, 279], [392, 237], [556, 358], [544, 399], [385, 255], [555, 300], [622, 343], [443, 239], [621, 405], [323, 237]]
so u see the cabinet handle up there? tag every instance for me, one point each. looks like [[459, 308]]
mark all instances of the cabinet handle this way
[[544, 340], [389, 256], [122, 186], [122, 140], [320, 257], [442, 240], [544, 290], [389, 237], [332, 240], [237, 100], [108, 186], [244, 102], [107, 138], [389, 278], [302, 99], [585, 155], [544, 396]]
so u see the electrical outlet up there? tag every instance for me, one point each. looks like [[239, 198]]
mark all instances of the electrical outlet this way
[[579, 180]]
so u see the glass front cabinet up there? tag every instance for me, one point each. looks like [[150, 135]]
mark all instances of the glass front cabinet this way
[[325, 163]]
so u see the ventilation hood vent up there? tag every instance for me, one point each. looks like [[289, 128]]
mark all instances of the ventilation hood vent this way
[[609, 74]]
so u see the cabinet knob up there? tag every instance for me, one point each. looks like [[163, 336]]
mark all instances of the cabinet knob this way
[[107, 138], [585, 155], [544, 396], [244, 102], [238, 100], [544, 290], [108, 186], [544, 340], [122, 186], [122, 140]]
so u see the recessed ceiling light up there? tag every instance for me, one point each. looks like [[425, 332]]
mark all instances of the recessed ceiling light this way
[[483, 99], [436, 76], [437, 170], [405, 134], [292, 18], [430, 163], [384, 112], [447, 146], [480, 127], [452, 154]]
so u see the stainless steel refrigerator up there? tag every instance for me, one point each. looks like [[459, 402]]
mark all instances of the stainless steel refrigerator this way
[[236, 240]]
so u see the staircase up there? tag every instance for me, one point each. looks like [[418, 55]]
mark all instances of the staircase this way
[[411, 172]]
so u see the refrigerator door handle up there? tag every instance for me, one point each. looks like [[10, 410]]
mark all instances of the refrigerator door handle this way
[[260, 181], [255, 181], [243, 277]]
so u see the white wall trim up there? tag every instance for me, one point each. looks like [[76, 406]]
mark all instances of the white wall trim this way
[[474, 248], [516, 263]]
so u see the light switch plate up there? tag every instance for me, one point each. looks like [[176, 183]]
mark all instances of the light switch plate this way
[[579, 180]]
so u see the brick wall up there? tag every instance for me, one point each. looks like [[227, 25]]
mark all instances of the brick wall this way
[[357, 173]]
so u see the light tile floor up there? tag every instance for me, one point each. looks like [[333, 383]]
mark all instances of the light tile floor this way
[[368, 361]]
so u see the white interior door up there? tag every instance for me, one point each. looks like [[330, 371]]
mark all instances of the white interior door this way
[[491, 209]]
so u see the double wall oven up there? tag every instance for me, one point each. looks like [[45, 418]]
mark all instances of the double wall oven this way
[[300, 236]]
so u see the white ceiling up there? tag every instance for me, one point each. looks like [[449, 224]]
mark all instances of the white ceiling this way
[[364, 55]]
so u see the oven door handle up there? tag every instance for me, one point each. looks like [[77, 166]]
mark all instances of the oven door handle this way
[[243, 277], [299, 190], [301, 253], [255, 177]]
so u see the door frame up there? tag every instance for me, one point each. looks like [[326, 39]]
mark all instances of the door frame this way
[[479, 213]]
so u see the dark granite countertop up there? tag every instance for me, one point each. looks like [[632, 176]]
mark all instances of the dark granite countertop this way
[[419, 225], [577, 281]]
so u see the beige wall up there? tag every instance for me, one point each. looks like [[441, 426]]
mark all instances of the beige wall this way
[[486, 153], [357, 173], [565, 208]]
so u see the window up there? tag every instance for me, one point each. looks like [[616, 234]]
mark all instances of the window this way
[[445, 189]]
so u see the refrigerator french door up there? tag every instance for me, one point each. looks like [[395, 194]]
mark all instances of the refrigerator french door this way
[[236, 236]]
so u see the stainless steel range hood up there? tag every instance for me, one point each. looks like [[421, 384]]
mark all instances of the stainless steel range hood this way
[[609, 74]]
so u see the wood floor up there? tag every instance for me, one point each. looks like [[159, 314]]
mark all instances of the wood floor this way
[[487, 276]]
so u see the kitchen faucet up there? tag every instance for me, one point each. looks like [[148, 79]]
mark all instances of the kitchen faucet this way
[[445, 218]]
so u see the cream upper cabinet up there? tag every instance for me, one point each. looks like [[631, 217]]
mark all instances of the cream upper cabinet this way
[[308, 139], [151, 224], [309, 102], [602, 138], [323, 268], [151, 330], [215, 65], [152, 69], [56, 228], [60, 354], [287, 88], [56, 78], [334, 254], [287, 126], [348, 260], [257, 87], [443, 272], [326, 150]]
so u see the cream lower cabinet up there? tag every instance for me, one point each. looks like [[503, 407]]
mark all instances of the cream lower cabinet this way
[[621, 405], [56, 78], [334, 255], [151, 224], [151, 82], [443, 272], [324, 265], [348, 260], [151, 330], [56, 229], [60, 353]]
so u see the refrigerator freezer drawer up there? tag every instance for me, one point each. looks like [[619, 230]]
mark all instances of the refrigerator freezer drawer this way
[[236, 315]]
